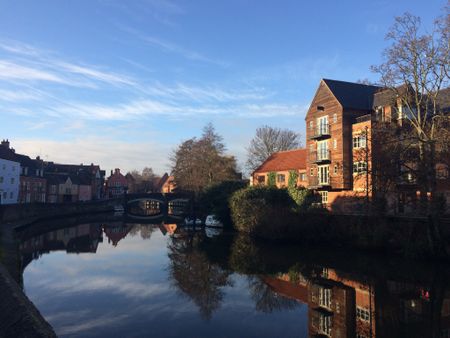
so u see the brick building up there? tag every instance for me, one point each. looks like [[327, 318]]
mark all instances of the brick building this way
[[346, 126], [281, 164], [116, 184]]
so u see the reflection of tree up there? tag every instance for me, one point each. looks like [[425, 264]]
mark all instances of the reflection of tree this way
[[194, 275], [266, 300], [145, 230]]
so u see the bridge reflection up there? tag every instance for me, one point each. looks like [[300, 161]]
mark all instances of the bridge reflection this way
[[157, 205]]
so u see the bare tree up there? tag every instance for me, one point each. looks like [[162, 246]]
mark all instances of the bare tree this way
[[415, 70], [269, 140]]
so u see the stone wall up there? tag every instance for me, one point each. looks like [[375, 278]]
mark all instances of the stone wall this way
[[17, 212]]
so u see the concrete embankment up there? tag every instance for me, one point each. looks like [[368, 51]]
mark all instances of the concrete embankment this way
[[18, 315]]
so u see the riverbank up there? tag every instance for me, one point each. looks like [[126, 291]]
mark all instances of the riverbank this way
[[407, 236], [18, 315]]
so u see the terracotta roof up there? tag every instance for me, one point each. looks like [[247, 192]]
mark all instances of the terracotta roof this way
[[284, 160]]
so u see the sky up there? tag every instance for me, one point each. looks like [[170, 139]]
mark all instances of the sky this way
[[123, 83]]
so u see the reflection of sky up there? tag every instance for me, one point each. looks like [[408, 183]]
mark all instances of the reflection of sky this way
[[125, 291]]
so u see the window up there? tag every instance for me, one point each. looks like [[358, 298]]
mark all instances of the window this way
[[325, 297], [311, 172], [359, 167], [320, 108], [335, 169], [1, 179], [281, 178], [261, 179], [334, 144], [12, 180], [11, 195], [5, 195], [442, 173], [362, 313], [302, 177], [325, 324], [359, 141], [324, 177], [324, 195], [334, 118]]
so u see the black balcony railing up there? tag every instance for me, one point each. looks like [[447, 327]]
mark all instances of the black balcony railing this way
[[321, 156], [322, 130]]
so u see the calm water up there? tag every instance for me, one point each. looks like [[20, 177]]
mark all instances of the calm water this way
[[115, 279]]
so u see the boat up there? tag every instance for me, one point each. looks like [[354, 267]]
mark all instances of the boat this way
[[212, 221], [119, 208], [190, 221], [212, 232]]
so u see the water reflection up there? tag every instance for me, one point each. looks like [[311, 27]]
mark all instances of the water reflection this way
[[197, 284]]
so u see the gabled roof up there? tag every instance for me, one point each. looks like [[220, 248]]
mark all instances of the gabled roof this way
[[161, 182], [284, 160], [352, 95]]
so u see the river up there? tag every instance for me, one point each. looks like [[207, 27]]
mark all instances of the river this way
[[116, 279]]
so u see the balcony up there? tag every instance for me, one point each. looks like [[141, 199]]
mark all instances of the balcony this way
[[320, 132], [316, 182], [322, 156]]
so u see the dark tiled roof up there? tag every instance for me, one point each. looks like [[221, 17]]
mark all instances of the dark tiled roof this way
[[25, 161], [352, 95], [443, 99], [284, 160]]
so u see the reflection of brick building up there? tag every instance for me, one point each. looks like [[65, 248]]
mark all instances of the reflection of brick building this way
[[339, 306], [281, 164], [75, 239], [116, 232]]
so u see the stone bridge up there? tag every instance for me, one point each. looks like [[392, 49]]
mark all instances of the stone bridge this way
[[147, 206]]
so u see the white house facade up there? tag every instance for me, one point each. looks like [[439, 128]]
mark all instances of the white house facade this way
[[9, 181]]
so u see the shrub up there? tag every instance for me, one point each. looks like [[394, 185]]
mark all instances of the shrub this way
[[271, 179], [261, 209], [304, 198], [215, 199]]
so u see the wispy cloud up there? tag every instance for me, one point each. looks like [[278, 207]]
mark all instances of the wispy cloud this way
[[106, 150], [17, 96], [174, 48]]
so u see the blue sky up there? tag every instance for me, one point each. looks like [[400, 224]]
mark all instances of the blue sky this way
[[122, 83]]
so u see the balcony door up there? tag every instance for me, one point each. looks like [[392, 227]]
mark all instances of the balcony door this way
[[322, 125], [324, 174], [322, 150]]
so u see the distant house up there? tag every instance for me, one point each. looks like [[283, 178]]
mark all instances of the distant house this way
[[9, 181], [63, 188], [32, 186], [166, 184], [89, 175], [116, 185], [281, 164]]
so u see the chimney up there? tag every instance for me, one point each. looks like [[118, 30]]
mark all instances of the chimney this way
[[117, 171], [5, 143], [111, 172]]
